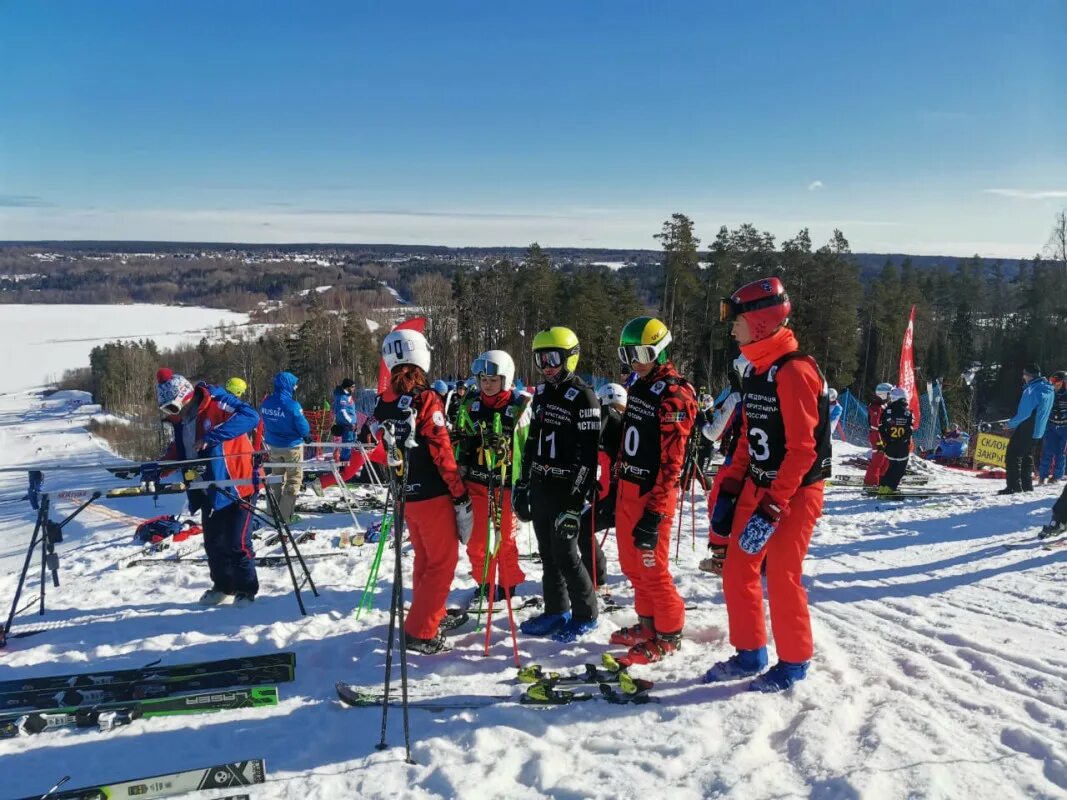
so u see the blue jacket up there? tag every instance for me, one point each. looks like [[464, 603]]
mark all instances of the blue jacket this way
[[284, 423], [344, 408], [1036, 401], [835, 416]]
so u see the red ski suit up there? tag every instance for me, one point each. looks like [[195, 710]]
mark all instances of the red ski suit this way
[[430, 519], [800, 386], [655, 594], [879, 463]]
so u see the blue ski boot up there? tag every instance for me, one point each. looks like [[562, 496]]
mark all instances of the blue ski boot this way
[[545, 624], [574, 629], [780, 677], [742, 664]]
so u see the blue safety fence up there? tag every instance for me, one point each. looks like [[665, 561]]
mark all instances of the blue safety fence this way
[[934, 415]]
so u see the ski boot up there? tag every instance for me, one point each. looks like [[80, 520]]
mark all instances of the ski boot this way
[[1054, 528], [453, 618], [715, 559], [427, 647], [633, 635], [214, 597], [574, 629], [545, 624], [742, 664], [652, 651], [243, 600], [779, 677]]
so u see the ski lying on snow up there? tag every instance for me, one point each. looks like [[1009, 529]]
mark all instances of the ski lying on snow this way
[[109, 715], [220, 776], [588, 674], [35, 699], [538, 694], [151, 672]]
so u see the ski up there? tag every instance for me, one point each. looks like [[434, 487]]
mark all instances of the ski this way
[[1054, 544], [109, 715], [541, 694], [873, 492], [151, 672], [529, 601], [220, 776], [367, 697], [143, 690], [174, 550], [261, 561], [857, 480], [589, 674], [301, 536]]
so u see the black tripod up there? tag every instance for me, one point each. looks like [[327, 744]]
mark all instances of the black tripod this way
[[48, 534], [398, 479]]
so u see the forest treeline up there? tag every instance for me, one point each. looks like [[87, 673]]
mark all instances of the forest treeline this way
[[977, 317]]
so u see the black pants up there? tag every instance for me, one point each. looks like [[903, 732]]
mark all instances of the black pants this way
[[898, 465], [589, 542], [1019, 461], [228, 544], [1059, 510], [566, 583]]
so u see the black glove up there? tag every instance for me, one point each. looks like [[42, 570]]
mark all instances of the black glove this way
[[520, 501], [568, 523], [646, 531]]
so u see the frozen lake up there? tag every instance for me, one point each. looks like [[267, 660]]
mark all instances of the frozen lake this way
[[41, 341]]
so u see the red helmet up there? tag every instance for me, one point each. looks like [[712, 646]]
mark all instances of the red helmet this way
[[764, 304]]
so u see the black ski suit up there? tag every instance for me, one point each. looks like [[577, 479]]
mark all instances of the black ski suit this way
[[560, 462], [895, 431]]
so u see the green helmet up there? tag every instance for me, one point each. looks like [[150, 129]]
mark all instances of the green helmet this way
[[644, 340], [556, 347]]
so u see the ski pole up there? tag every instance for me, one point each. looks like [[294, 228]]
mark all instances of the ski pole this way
[[693, 514], [372, 576], [511, 625], [678, 536]]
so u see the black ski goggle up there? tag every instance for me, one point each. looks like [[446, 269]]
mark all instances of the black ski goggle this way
[[730, 309], [639, 353]]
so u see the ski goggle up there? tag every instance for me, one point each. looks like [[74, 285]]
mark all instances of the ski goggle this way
[[483, 366], [730, 309], [171, 409], [545, 359], [639, 353]]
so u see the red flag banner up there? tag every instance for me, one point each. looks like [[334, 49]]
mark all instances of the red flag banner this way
[[906, 380], [414, 324]]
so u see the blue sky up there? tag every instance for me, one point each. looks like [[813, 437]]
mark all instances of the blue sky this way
[[911, 128]]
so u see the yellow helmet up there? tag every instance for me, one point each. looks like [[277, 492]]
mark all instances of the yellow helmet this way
[[236, 386], [558, 345]]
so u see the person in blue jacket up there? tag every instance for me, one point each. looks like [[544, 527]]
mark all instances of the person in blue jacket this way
[[1054, 445], [835, 413], [1028, 427], [344, 415], [285, 429]]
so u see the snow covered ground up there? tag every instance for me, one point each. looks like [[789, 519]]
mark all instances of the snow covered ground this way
[[940, 667], [41, 341]]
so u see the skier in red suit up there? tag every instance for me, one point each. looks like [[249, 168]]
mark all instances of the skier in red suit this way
[[879, 463], [771, 493], [437, 509], [661, 409]]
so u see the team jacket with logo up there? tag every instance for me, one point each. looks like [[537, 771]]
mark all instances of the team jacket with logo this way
[[478, 413], [660, 412], [561, 448], [432, 470], [895, 430], [785, 420]]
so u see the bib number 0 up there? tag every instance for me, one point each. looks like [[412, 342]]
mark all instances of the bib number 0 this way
[[632, 441], [758, 444]]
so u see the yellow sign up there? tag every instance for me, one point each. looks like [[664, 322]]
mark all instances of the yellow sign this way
[[990, 450]]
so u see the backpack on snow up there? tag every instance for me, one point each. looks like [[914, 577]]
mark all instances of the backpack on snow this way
[[165, 527]]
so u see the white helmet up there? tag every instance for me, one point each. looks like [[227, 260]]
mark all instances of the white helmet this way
[[896, 393], [882, 390], [495, 362], [741, 364], [611, 394], [833, 395], [406, 347]]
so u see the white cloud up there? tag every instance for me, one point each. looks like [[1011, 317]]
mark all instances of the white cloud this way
[[816, 185], [1027, 194]]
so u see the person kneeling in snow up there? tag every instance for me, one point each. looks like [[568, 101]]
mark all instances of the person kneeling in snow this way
[[211, 423], [771, 493]]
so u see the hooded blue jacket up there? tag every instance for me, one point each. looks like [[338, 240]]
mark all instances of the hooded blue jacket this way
[[1036, 401], [284, 423]]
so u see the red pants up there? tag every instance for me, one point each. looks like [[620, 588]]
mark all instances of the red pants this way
[[432, 526], [507, 556], [655, 594], [784, 552], [876, 469]]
